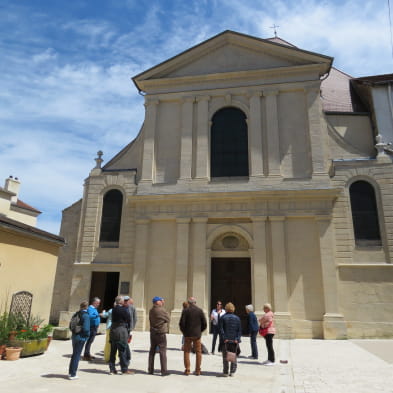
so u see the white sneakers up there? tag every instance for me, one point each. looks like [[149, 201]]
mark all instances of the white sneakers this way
[[268, 363], [72, 378]]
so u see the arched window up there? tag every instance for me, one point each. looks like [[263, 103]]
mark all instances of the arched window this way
[[364, 212], [229, 143], [111, 216]]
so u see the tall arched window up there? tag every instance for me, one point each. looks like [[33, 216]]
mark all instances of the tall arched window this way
[[364, 212], [111, 216], [229, 143]]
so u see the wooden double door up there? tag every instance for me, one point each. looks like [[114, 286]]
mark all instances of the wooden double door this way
[[231, 282]]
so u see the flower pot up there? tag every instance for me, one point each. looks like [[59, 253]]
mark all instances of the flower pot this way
[[13, 353], [31, 347]]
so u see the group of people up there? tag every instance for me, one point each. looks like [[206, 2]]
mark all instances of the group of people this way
[[121, 320]]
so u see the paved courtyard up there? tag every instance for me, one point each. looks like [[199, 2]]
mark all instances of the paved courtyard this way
[[313, 366]]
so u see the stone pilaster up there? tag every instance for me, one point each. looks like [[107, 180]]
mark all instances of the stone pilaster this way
[[255, 133], [280, 284], [148, 160], [260, 294], [139, 271], [318, 141], [202, 143], [181, 275], [186, 138], [273, 139], [198, 267], [334, 326]]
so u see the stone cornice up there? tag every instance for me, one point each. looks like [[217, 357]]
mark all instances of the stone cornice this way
[[232, 78]]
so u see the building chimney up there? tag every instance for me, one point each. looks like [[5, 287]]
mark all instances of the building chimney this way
[[12, 185]]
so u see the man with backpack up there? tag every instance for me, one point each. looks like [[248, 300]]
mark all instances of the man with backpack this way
[[80, 327]]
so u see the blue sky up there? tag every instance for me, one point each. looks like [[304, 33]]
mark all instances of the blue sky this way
[[66, 68]]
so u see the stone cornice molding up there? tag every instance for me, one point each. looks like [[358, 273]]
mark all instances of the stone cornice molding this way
[[168, 84]]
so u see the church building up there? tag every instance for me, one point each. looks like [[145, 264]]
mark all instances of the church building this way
[[259, 175]]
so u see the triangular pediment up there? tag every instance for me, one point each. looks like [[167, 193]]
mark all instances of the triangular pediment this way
[[231, 52]]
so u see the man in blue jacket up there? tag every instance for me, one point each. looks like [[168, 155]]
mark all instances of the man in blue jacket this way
[[94, 323], [78, 340]]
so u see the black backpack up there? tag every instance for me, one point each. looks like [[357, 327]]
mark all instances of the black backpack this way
[[76, 323]]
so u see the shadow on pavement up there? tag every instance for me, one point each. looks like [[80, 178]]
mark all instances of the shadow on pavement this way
[[58, 376]]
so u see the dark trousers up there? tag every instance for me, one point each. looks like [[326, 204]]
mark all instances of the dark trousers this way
[[215, 331], [93, 333], [157, 340], [120, 347], [77, 347], [254, 347], [269, 346], [231, 347]]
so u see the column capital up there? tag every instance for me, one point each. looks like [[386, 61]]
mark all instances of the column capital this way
[[277, 218], [255, 94], [323, 217], [187, 99], [258, 218], [201, 220], [142, 220], [151, 101], [270, 92], [202, 98], [183, 220]]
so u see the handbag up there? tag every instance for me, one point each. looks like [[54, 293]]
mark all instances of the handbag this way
[[231, 356], [263, 331]]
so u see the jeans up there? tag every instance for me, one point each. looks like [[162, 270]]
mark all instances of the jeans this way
[[269, 346], [215, 334], [121, 348], [157, 339], [93, 333], [254, 347], [77, 347]]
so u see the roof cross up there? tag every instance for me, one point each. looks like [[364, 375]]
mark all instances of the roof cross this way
[[275, 29]]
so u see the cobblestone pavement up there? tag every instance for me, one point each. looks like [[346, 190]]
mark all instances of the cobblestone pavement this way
[[303, 366]]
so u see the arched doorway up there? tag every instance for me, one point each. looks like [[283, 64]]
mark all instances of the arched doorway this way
[[231, 273]]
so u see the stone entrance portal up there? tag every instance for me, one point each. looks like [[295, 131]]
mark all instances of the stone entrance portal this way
[[231, 282]]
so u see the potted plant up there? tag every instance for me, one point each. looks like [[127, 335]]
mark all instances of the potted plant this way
[[31, 336]]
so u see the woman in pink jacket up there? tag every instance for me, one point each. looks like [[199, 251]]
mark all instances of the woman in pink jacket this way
[[267, 321]]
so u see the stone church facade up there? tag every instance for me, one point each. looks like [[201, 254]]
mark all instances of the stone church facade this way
[[253, 179]]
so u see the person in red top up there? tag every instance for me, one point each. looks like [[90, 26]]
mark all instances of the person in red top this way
[[267, 321]]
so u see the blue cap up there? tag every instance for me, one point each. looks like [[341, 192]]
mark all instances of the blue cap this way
[[157, 299]]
